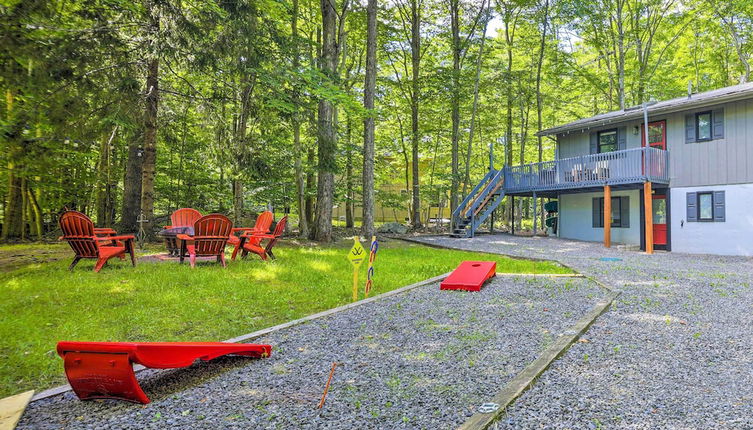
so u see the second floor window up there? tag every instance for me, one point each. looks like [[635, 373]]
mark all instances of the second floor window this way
[[607, 141], [703, 125]]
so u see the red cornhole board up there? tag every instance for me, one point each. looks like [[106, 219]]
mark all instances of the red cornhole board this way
[[103, 370], [469, 276]]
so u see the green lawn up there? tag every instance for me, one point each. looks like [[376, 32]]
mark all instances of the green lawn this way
[[43, 303]]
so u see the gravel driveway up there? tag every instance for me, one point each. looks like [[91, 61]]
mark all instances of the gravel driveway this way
[[674, 352], [421, 359]]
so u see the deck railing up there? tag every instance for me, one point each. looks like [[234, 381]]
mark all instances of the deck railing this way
[[609, 168]]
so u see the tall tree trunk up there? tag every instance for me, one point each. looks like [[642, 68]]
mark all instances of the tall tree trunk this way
[[416, 97], [14, 200], [455, 103], [310, 186], [150, 118], [300, 185], [326, 133], [132, 189], [104, 190], [539, 105], [349, 173], [368, 122], [474, 109], [509, 38]]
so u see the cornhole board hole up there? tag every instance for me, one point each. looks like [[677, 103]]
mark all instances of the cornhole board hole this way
[[469, 276], [104, 370]]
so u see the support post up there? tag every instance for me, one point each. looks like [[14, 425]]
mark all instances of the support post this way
[[607, 216], [648, 217], [512, 215], [535, 215]]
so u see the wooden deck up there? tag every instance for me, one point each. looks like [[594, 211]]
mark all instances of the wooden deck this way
[[630, 166]]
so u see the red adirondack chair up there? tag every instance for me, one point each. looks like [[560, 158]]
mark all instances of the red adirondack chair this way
[[263, 222], [79, 232], [184, 217], [210, 236], [252, 242]]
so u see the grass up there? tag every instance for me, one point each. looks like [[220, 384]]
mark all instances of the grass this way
[[43, 303]]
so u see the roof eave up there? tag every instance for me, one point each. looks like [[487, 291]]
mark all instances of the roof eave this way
[[632, 115]]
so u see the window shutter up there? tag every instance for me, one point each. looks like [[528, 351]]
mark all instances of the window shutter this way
[[625, 211], [689, 128], [717, 121], [692, 203], [719, 206], [596, 212], [621, 138], [594, 143]]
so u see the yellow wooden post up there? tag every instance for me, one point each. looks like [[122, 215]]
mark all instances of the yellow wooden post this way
[[648, 217], [356, 257], [607, 216]]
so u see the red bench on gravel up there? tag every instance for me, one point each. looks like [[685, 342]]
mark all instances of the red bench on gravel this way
[[104, 370]]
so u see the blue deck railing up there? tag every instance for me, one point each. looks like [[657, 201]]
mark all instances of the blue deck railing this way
[[610, 168]]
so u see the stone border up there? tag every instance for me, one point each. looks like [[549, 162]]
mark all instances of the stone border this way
[[259, 333], [526, 378]]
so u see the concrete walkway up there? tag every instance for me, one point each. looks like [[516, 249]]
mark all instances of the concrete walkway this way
[[675, 350]]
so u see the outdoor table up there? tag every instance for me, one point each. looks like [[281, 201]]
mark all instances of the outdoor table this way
[[171, 241]]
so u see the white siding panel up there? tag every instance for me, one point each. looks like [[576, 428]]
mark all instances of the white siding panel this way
[[732, 237]]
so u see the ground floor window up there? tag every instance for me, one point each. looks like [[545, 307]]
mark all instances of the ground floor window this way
[[620, 215], [706, 206]]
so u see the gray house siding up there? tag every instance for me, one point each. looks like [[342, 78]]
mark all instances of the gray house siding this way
[[728, 160]]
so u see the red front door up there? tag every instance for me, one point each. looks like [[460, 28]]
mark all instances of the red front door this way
[[659, 219]]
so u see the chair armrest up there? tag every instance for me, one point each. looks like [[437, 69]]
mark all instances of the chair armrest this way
[[184, 237], [123, 237], [261, 236], [105, 230], [244, 229]]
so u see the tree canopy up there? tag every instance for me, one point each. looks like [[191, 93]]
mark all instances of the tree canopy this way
[[115, 108]]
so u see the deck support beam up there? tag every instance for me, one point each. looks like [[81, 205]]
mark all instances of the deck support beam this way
[[648, 217], [607, 216], [535, 215]]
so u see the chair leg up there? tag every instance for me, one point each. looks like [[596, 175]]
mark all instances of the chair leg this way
[[100, 264], [271, 255], [129, 248], [76, 259], [238, 247], [221, 259], [192, 259]]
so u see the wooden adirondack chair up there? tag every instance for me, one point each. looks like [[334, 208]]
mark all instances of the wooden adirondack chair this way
[[263, 222], [79, 232], [211, 234], [252, 242], [185, 217]]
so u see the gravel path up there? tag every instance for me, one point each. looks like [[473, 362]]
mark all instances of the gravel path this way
[[422, 359], [675, 350]]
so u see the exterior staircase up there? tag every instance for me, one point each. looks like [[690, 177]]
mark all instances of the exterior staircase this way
[[479, 204]]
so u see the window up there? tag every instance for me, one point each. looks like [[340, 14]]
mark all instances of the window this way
[[703, 126], [607, 141], [705, 206], [620, 212]]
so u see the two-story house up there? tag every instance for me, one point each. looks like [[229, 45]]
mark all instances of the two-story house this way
[[685, 184]]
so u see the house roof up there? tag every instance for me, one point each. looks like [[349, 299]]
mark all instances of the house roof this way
[[707, 98]]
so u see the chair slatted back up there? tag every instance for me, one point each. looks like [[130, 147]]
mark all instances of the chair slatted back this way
[[211, 233], [185, 217], [78, 231], [263, 222], [279, 229]]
